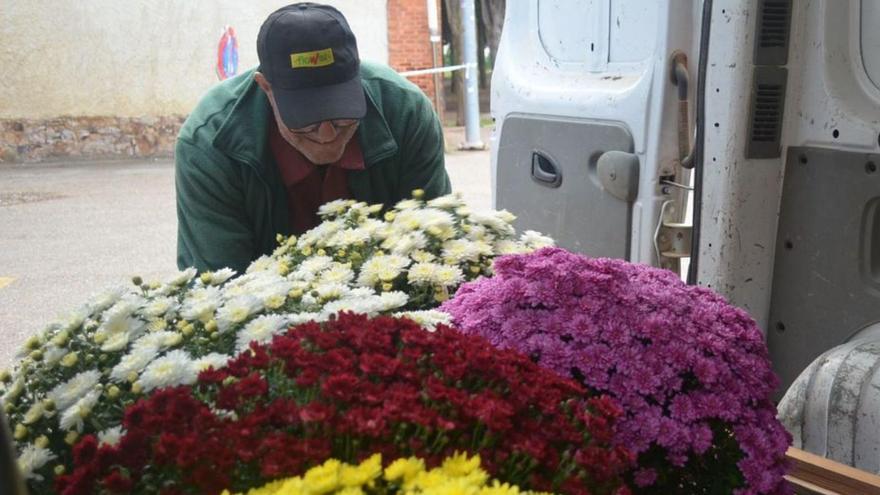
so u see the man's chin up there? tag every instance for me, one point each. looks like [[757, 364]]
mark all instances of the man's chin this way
[[323, 158]]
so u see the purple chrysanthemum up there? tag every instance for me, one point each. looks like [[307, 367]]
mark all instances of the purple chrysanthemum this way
[[679, 358]]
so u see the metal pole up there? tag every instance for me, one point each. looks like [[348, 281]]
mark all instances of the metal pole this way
[[472, 96], [434, 32]]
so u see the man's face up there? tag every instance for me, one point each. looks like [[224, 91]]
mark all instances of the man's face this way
[[322, 144]]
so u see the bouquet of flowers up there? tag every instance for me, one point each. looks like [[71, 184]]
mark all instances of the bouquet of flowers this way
[[405, 476], [691, 372], [350, 388], [78, 374]]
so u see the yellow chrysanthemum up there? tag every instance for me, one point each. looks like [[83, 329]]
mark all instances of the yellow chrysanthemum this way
[[324, 478], [367, 471], [459, 475], [404, 469], [460, 465], [498, 488]]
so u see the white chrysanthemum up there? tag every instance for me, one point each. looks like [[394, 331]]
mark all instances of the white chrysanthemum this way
[[301, 318], [536, 240], [478, 233], [435, 218], [160, 306], [348, 237], [140, 356], [423, 273], [506, 216], [200, 304], [214, 360], [358, 292], [74, 416], [261, 264], [123, 308], [105, 299], [66, 394], [369, 305], [218, 277], [260, 330], [182, 278], [407, 221], [273, 291], [35, 413], [428, 319], [392, 300], [301, 285], [448, 276], [331, 291], [174, 368], [52, 354], [334, 307], [422, 256], [119, 319], [264, 265], [499, 221], [320, 233], [447, 202], [75, 319], [405, 244], [382, 268], [33, 458], [110, 436], [338, 273], [371, 226], [335, 208], [309, 302], [309, 269], [461, 250], [509, 247], [159, 340], [237, 311], [13, 391], [408, 204], [121, 333]]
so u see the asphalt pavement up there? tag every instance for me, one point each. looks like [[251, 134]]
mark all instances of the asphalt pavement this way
[[71, 229]]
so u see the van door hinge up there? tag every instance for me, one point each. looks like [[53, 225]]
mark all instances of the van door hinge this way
[[672, 240]]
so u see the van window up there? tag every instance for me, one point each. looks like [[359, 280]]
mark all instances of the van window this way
[[569, 29], [598, 32], [871, 39]]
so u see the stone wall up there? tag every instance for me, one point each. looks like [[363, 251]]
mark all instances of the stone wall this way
[[80, 77], [25, 140]]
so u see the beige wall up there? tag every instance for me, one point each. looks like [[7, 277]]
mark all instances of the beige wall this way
[[129, 58]]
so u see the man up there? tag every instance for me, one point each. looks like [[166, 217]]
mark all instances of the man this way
[[263, 150]]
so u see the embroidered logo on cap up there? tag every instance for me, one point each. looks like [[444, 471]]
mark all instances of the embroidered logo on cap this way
[[317, 58]]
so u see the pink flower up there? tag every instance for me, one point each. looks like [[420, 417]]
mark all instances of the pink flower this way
[[689, 369]]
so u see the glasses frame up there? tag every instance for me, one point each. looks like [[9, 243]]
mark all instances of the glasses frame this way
[[338, 124]]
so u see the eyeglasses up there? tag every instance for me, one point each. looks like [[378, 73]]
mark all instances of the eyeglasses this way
[[337, 124]]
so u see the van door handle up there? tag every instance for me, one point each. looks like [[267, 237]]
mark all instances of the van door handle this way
[[545, 171]]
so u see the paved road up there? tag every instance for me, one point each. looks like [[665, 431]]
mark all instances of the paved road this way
[[68, 230]]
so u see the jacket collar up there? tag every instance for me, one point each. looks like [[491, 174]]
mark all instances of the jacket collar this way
[[244, 133]]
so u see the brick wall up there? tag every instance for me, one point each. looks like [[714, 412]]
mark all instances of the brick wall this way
[[409, 46]]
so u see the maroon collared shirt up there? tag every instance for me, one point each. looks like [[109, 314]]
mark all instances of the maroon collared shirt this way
[[308, 185]]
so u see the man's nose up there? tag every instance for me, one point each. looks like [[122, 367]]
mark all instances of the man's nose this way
[[325, 132]]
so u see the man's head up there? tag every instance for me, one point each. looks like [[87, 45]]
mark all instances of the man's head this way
[[309, 69]]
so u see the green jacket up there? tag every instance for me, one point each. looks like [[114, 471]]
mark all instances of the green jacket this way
[[231, 202]]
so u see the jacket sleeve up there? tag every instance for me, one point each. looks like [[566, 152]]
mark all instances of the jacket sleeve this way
[[422, 152], [213, 230]]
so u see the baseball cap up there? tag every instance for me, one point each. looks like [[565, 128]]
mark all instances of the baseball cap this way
[[309, 55]]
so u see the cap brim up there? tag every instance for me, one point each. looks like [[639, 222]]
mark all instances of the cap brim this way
[[303, 107]]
